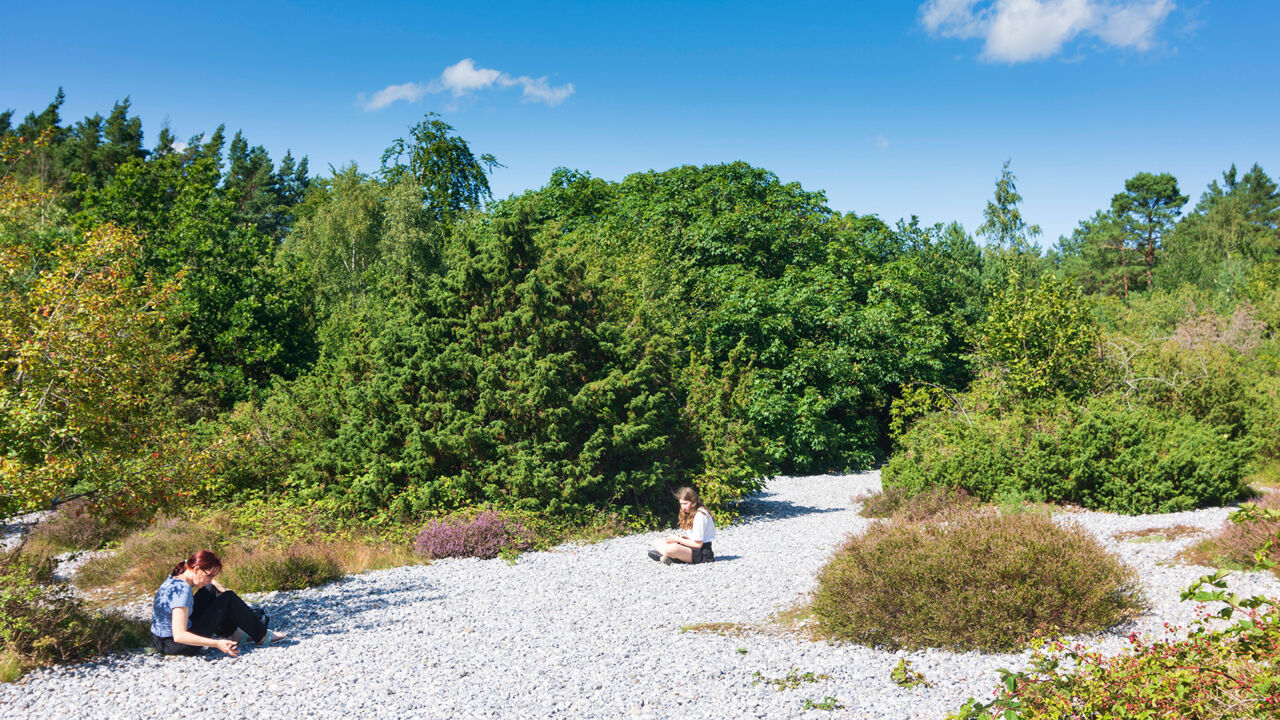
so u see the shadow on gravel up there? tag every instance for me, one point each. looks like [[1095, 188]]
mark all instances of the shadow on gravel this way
[[764, 509], [341, 612]]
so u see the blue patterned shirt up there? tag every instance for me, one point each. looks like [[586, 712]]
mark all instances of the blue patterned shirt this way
[[174, 592]]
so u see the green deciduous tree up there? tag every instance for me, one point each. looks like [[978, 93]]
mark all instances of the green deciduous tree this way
[[1040, 340], [354, 232], [831, 312], [1008, 237], [83, 361], [453, 179]]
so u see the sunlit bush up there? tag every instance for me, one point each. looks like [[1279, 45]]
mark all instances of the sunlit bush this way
[[982, 581]]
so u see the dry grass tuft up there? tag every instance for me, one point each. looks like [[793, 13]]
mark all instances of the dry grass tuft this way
[[1165, 534], [147, 556], [726, 629]]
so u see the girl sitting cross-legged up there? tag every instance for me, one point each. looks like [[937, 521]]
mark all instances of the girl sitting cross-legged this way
[[691, 547], [191, 607]]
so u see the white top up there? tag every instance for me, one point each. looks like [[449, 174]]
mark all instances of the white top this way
[[704, 529]]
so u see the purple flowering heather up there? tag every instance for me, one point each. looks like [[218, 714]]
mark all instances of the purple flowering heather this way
[[484, 536]]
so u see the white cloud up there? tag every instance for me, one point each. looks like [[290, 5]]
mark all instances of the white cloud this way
[[409, 91], [178, 146], [463, 78], [539, 90], [1021, 30], [1134, 25], [880, 141]]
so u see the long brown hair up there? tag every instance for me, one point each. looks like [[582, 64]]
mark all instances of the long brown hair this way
[[686, 516], [199, 560]]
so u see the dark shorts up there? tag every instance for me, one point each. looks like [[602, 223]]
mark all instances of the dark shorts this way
[[702, 554], [166, 646]]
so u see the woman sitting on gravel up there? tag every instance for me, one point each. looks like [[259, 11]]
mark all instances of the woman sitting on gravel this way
[[694, 546], [191, 607]]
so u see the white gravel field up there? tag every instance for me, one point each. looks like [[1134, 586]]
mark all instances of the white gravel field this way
[[587, 631]]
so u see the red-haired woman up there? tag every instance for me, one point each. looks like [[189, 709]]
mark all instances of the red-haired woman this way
[[691, 547], [191, 607]]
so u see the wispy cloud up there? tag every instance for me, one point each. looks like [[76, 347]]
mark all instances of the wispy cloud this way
[[411, 92], [464, 78], [880, 141], [1022, 30]]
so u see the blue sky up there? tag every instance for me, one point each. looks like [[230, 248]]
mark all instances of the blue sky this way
[[892, 109]]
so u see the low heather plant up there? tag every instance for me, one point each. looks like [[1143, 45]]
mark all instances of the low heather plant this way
[[484, 536], [1217, 672], [1235, 544], [981, 581], [932, 502], [73, 526]]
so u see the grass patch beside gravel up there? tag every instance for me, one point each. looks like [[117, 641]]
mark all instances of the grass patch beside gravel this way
[[251, 564], [726, 629]]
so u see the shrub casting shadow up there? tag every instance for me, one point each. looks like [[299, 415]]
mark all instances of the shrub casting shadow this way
[[758, 509]]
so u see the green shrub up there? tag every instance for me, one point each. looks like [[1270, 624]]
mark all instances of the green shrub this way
[[267, 569], [1205, 677], [1235, 544], [42, 623], [978, 582], [1040, 340], [1101, 455]]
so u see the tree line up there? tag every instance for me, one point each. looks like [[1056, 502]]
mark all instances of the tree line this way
[[194, 321]]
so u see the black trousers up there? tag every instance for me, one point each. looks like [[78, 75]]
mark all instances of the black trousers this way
[[214, 613]]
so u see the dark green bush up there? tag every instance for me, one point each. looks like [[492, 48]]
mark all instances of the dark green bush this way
[[1101, 455], [507, 380], [1141, 460], [977, 582]]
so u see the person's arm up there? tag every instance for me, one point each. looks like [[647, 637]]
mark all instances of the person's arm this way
[[218, 586], [685, 541], [182, 635]]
